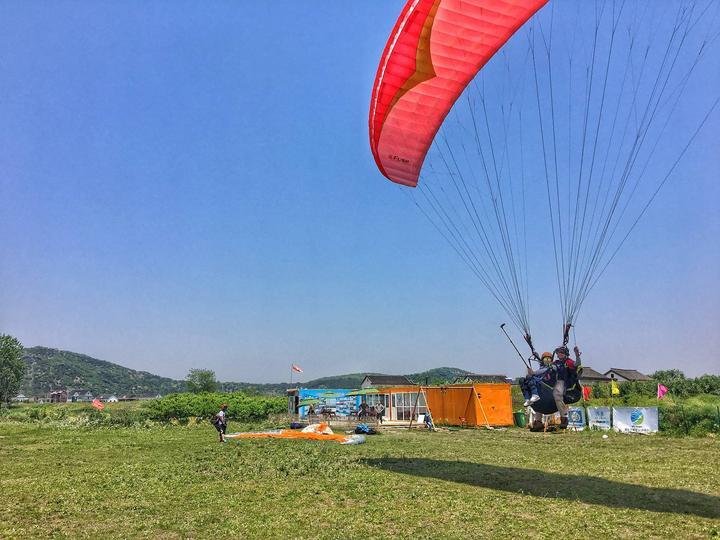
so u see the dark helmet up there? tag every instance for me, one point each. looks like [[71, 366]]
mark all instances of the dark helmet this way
[[563, 349]]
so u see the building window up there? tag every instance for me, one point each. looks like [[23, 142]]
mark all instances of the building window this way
[[403, 404], [374, 399]]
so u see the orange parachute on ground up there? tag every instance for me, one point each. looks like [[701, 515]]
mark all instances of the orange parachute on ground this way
[[313, 432]]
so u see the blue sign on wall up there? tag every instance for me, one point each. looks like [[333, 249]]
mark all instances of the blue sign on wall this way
[[333, 400]]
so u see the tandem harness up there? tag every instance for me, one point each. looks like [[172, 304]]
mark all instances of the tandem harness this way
[[573, 390]]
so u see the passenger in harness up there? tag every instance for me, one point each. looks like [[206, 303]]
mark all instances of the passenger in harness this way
[[530, 383]]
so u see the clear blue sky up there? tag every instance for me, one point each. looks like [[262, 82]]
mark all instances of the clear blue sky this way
[[190, 185]]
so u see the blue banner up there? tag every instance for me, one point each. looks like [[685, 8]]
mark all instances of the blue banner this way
[[576, 418], [329, 401]]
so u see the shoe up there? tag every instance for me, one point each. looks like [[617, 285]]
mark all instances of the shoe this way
[[563, 422], [526, 403], [534, 398]]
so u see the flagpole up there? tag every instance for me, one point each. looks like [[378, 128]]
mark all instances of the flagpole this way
[[291, 372]]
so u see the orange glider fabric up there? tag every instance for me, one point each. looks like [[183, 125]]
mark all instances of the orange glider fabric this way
[[434, 51], [288, 434], [315, 432]]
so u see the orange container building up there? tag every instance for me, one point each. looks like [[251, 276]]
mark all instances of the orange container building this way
[[465, 404], [476, 404]]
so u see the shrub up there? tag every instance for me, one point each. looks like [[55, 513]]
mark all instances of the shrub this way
[[676, 383], [689, 418], [686, 409], [241, 407], [185, 407]]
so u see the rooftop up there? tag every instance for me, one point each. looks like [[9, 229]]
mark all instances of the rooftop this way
[[629, 374], [589, 373]]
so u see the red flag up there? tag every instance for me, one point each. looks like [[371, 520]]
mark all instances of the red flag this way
[[587, 393], [99, 405], [662, 390], [295, 367]]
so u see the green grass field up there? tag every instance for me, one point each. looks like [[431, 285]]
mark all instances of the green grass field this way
[[178, 481]]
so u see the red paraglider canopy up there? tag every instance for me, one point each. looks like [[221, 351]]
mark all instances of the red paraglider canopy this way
[[434, 51]]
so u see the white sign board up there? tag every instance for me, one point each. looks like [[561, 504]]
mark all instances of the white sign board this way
[[635, 419], [599, 417], [576, 418]]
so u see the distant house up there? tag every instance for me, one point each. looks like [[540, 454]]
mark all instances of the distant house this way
[[131, 397], [590, 376], [112, 399], [480, 378], [371, 381], [58, 396], [622, 375], [21, 398], [79, 396], [151, 396]]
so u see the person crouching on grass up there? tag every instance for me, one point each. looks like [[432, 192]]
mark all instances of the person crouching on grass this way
[[220, 421]]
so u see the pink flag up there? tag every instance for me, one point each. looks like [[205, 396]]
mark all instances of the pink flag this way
[[99, 405], [587, 393], [297, 368], [662, 390]]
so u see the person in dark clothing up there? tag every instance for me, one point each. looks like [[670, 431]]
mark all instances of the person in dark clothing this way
[[561, 365], [379, 411], [429, 421], [220, 422]]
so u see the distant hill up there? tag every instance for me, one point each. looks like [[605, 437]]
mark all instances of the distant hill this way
[[52, 369], [439, 375], [265, 389], [352, 380]]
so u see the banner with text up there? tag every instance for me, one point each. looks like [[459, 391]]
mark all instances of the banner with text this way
[[635, 419], [599, 417]]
